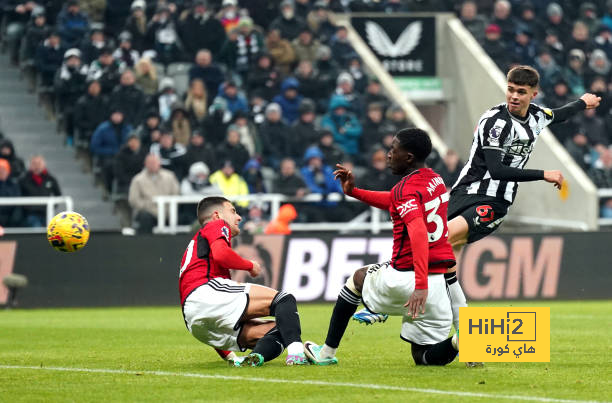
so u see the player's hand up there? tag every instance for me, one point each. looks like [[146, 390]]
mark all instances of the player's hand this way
[[416, 303], [555, 177], [346, 177], [591, 100], [256, 270]]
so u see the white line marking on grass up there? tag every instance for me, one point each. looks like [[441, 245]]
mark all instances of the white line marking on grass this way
[[301, 382]]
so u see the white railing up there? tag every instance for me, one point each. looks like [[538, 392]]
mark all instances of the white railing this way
[[168, 206], [51, 202]]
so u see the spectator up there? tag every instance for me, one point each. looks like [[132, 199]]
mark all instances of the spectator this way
[[207, 71], [580, 39], [319, 177], [578, 147], [16, 18], [588, 16], [372, 128], [69, 86], [49, 57], [215, 124], [607, 18], [172, 155], [557, 98], [197, 183], [599, 66], [264, 78], [91, 50], [275, 137], [345, 87], [196, 102], [599, 87], [248, 134], [242, 47], [148, 131], [525, 47], [495, 47], [377, 176], [289, 99], [106, 141], [232, 149], [107, 70], [601, 174], [450, 168], [327, 69], [10, 216], [129, 162], [341, 48], [199, 29], [115, 14], [288, 24], [528, 19], [574, 71], [549, 71], [166, 98], [332, 153], [310, 86], [93, 9], [162, 33], [360, 80], [305, 46], [603, 39], [234, 100], [593, 126], [199, 150], [7, 152], [397, 118], [319, 22], [128, 98], [555, 46], [304, 131], [281, 51], [230, 183], [146, 77], [288, 182], [343, 124], [136, 25], [91, 109], [253, 177], [373, 93], [555, 21], [125, 54], [502, 17], [36, 32], [474, 22], [152, 181], [179, 121], [302, 8], [38, 182], [229, 15], [72, 24]]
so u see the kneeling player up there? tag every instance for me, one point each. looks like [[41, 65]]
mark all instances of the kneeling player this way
[[411, 285], [224, 313]]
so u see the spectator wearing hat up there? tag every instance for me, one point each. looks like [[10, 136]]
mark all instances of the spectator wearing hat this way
[[152, 181], [7, 152], [248, 133], [197, 181], [574, 71], [587, 14], [10, 216], [229, 15], [106, 70], [345, 87], [360, 79], [171, 154], [228, 91], [232, 149], [106, 141], [129, 161], [253, 177], [495, 48], [129, 98], [332, 153], [305, 45], [196, 103], [275, 136], [215, 124], [180, 124], [556, 21], [396, 116], [162, 33], [525, 47], [207, 71], [149, 129], [38, 182], [598, 66], [343, 124], [474, 22], [502, 17], [527, 18], [289, 99], [146, 77], [548, 68], [166, 97], [36, 32], [281, 51], [287, 23], [264, 78], [373, 93], [341, 48], [49, 58], [230, 182], [70, 83], [90, 111], [72, 24], [310, 85], [125, 53], [603, 39], [136, 24], [199, 29], [91, 49], [318, 21], [115, 15], [554, 46], [242, 47], [328, 69], [372, 127], [199, 149], [319, 178], [599, 87], [304, 131]]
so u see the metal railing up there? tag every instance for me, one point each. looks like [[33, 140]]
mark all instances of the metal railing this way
[[51, 202], [168, 206]]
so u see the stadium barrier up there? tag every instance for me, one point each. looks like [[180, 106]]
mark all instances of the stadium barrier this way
[[114, 270], [50, 202], [604, 194]]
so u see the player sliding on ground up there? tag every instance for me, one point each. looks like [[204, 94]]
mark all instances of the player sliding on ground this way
[[412, 284], [223, 313]]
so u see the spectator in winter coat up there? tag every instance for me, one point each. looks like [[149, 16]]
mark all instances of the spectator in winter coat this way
[[341, 48], [345, 87], [36, 32], [148, 131], [207, 71], [91, 109], [288, 182], [91, 49], [304, 131], [10, 216], [377, 176], [248, 133], [343, 124], [253, 177], [197, 183], [230, 183], [234, 100], [332, 153], [242, 46], [129, 162], [495, 47], [264, 79], [232, 150], [373, 131], [474, 22], [7, 152], [199, 29], [49, 57], [289, 99], [69, 86], [172, 155], [305, 46], [196, 102], [72, 24], [281, 51], [152, 181], [38, 182], [310, 85], [125, 54], [319, 177], [450, 168], [105, 69], [200, 150], [128, 98], [136, 24], [162, 33], [146, 77], [179, 121], [288, 24], [166, 97], [275, 136]]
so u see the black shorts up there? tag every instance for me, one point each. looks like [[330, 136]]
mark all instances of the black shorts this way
[[484, 214]]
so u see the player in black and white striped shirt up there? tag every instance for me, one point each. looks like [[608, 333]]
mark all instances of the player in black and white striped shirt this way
[[503, 141]]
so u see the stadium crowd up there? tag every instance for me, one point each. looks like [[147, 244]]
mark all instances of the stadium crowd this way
[[253, 96]]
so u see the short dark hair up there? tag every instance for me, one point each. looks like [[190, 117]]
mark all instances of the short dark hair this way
[[415, 141], [206, 204], [524, 75]]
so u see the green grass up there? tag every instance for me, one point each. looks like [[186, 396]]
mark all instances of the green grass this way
[[155, 339]]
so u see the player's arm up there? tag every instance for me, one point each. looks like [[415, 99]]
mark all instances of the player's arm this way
[[419, 242], [587, 101], [499, 171], [227, 258], [381, 200]]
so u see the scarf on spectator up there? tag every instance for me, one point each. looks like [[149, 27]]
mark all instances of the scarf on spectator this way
[[38, 179]]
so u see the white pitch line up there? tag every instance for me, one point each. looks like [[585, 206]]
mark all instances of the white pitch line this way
[[301, 382]]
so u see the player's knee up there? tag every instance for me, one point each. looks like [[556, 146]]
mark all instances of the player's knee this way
[[357, 280], [418, 353], [282, 298]]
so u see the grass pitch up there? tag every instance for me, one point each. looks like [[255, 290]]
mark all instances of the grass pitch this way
[[138, 354]]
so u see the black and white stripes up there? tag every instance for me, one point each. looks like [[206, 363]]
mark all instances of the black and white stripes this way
[[349, 296], [218, 286]]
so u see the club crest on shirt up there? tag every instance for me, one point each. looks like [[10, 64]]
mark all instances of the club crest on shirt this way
[[226, 233], [407, 207]]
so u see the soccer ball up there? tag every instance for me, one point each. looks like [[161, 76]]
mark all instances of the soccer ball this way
[[68, 231]]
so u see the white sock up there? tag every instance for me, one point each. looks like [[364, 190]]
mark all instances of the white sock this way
[[328, 352], [456, 296], [295, 348]]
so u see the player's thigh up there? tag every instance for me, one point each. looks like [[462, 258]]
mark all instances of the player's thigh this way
[[458, 230], [386, 290], [260, 298], [253, 330]]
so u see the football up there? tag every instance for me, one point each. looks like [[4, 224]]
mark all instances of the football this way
[[68, 231]]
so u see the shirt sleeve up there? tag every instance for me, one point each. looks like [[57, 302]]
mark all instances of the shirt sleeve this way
[[227, 258], [218, 229], [493, 132], [381, 200]]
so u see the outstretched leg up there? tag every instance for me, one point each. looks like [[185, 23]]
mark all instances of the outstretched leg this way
[[457, 236]]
